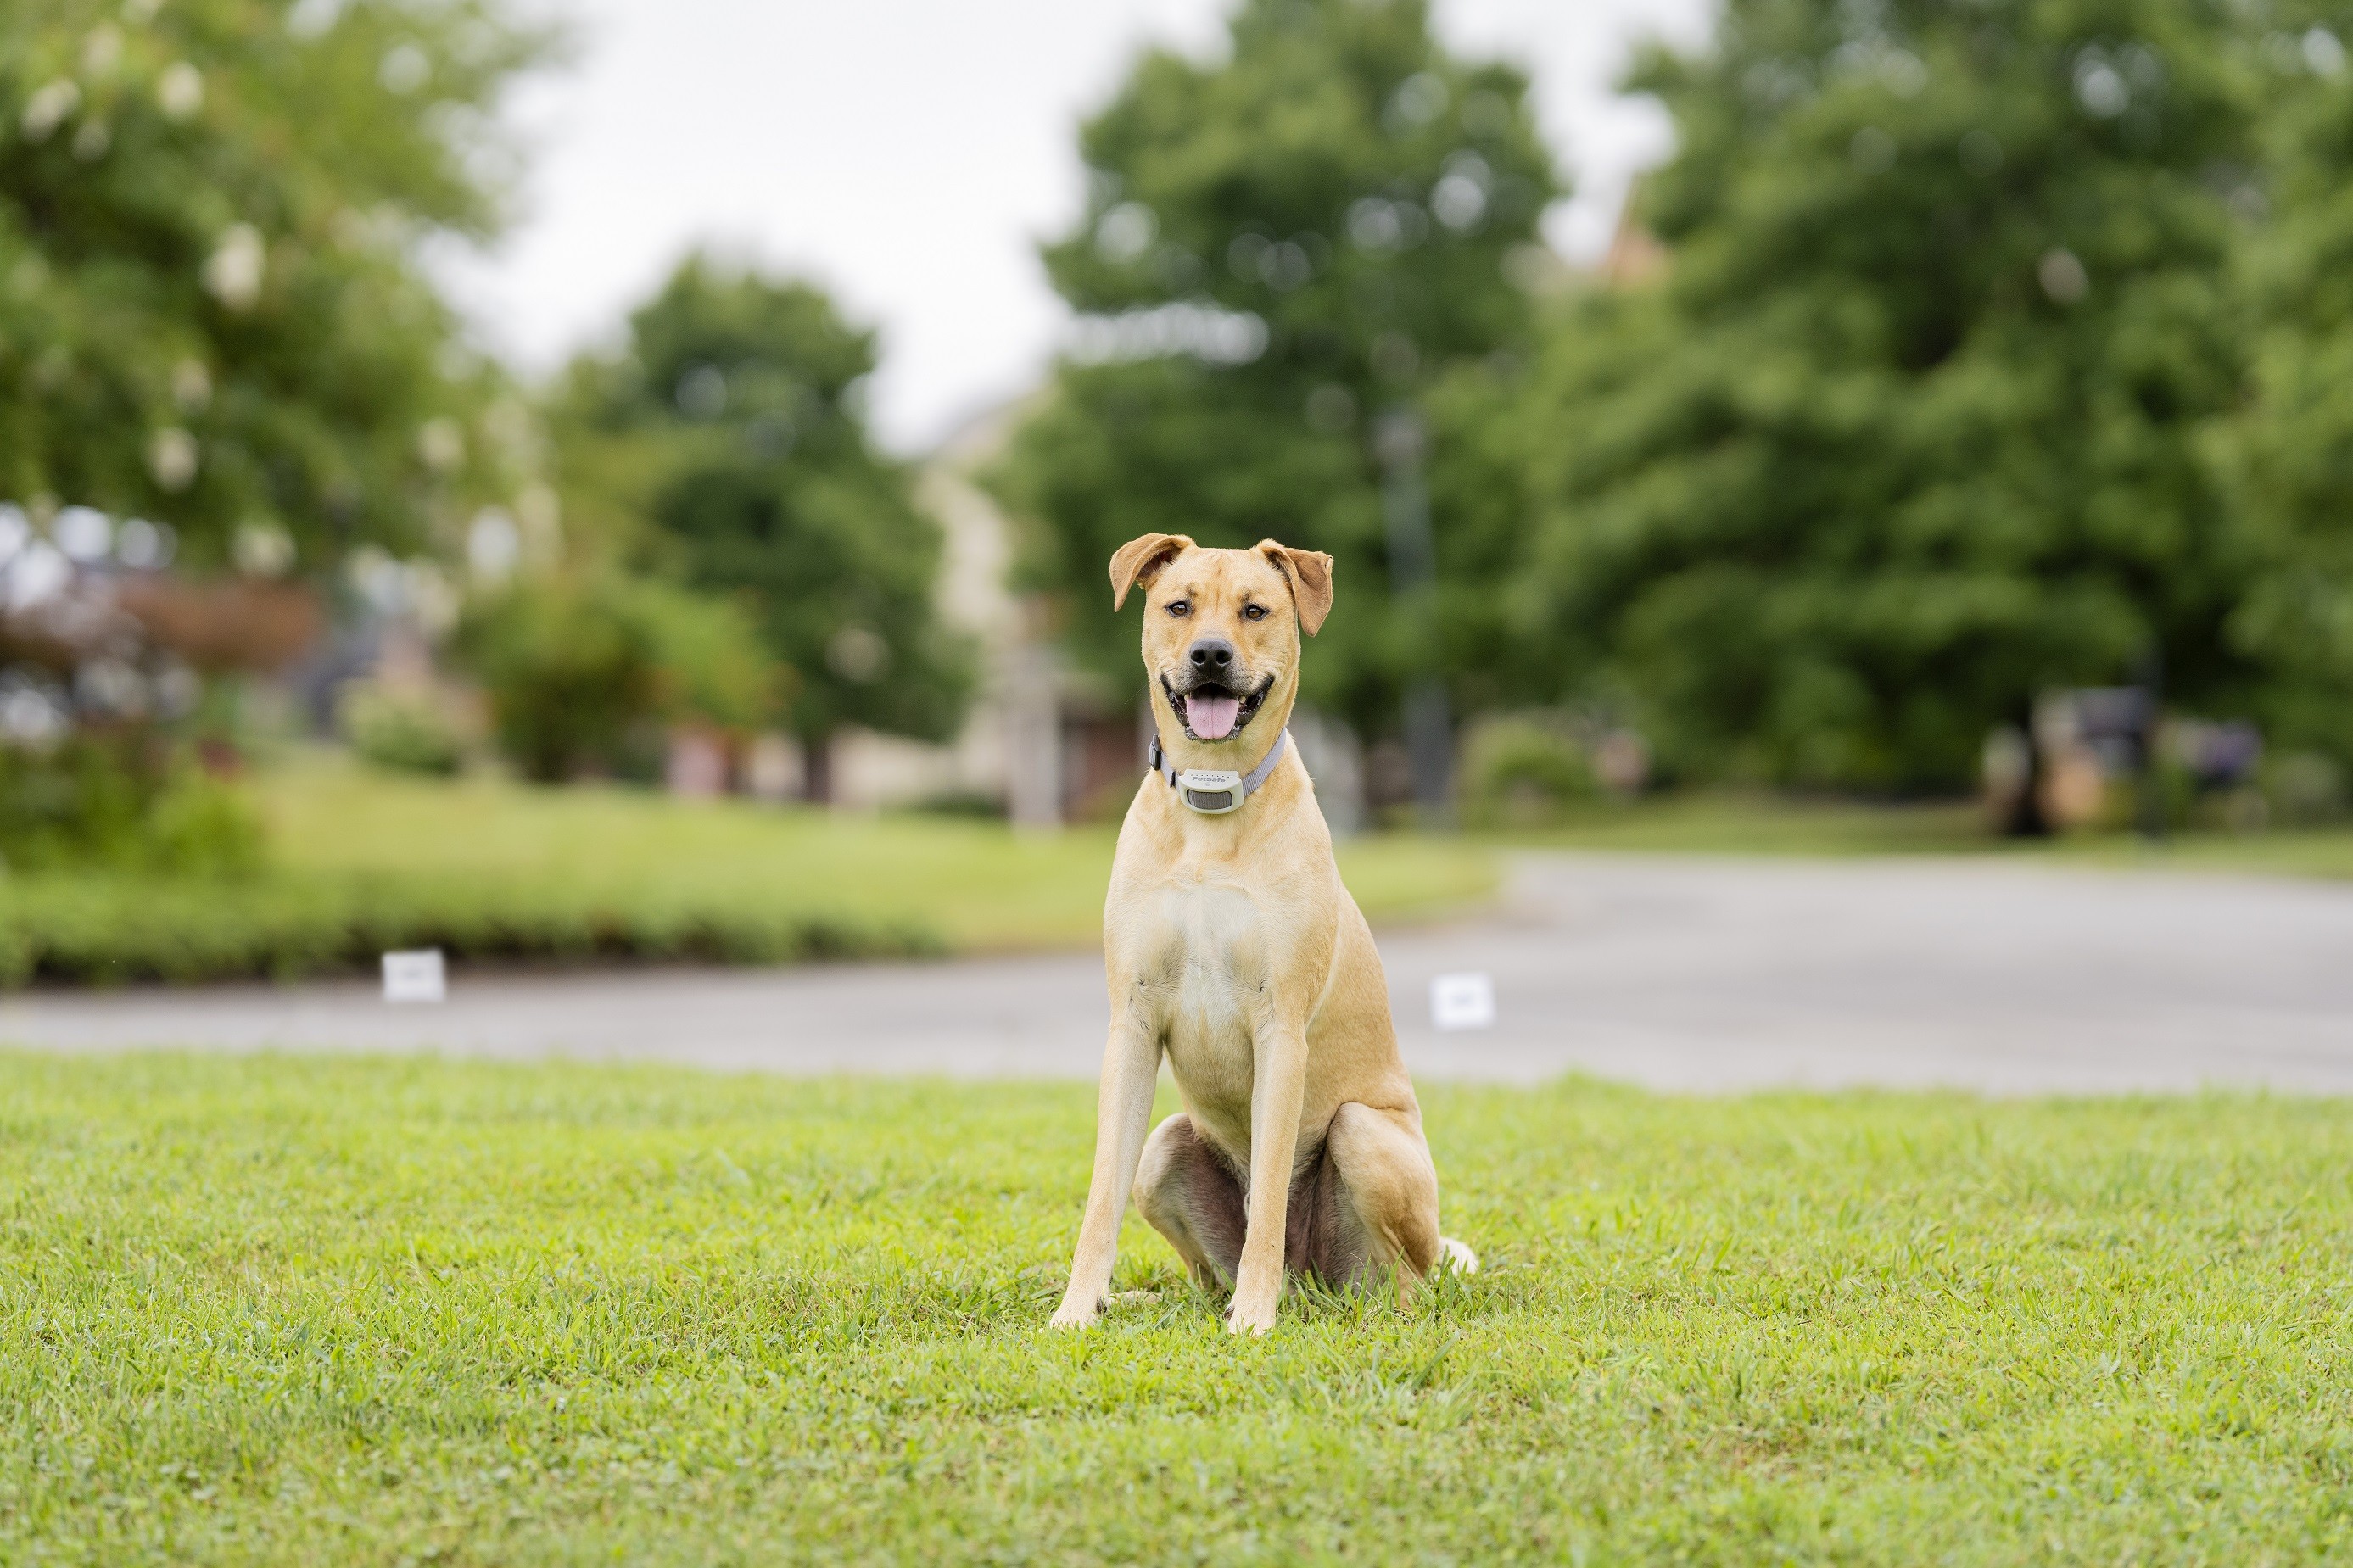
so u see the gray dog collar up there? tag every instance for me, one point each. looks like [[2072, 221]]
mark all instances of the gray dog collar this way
[[1211, 791]]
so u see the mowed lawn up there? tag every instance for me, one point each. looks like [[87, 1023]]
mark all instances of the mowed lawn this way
[[1726, 822], [360, 862], [977, 885], [310, 1311]]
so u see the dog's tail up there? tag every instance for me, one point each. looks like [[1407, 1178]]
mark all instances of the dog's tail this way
[[1453, 1254]]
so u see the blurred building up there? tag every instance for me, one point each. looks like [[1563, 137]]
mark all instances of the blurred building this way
[[1635, 257]]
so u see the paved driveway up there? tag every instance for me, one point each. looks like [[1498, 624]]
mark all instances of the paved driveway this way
[[1679, 974]]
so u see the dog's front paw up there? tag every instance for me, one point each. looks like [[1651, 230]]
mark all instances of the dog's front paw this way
[[1076, 1312], [1249, 1317]]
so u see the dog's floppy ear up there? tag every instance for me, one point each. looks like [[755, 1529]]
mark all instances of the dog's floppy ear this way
[[1140, 561], [1310, 573]]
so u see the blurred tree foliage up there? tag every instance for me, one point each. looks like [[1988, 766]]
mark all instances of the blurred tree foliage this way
[[1280, 247], [725, 449], [211, 312], [2286, 457], [213, 318], [1920, 422]]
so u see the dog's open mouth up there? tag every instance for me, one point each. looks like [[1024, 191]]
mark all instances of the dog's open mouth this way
[[1213, 712]]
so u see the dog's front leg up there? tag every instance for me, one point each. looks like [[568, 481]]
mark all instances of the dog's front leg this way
[[1278, 1085], [1122, 1113]]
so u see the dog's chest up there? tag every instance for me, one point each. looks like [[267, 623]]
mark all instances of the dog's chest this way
[[1203, 968]]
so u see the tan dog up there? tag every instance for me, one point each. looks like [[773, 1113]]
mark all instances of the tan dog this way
[[1231, 944]]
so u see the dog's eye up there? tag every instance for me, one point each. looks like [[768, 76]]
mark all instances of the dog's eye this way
[[1255, 612], [1180, 606]]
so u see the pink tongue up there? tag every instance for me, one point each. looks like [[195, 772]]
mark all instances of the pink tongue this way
[[1212, 717]]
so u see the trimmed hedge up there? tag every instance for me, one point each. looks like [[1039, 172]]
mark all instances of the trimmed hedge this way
[[91, 930]]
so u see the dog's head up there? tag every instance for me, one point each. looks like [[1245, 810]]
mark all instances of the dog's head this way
[[1221, 626]]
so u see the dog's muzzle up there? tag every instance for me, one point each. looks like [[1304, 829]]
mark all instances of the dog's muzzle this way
[[1233, 706]]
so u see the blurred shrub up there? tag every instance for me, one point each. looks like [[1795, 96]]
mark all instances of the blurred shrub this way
[[126, 800], [203, 826], [105, 930], [399, 727], [570, 678], [1521, 771], [2303, 789], [709, 663], [976, 803], [585, 671]]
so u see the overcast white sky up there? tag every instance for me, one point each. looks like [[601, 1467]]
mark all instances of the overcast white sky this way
[[909, 154]]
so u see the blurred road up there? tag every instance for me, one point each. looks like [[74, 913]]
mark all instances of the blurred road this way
[[1678, 973]]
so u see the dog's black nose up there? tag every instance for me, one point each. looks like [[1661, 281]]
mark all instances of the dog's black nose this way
[[1212, 656]]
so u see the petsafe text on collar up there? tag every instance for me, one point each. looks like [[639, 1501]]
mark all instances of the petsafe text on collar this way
[[1211, 792]]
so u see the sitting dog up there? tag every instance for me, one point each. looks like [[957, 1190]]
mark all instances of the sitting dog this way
[[1231, 944]]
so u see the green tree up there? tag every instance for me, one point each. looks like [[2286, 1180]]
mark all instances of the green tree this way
[[1911, 432], [729, 447], [2287, 454], [213, 318], [1283, 249], [211, 312]]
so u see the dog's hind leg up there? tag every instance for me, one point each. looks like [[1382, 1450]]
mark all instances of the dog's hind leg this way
[[1385, 1198], [1187, 1194]]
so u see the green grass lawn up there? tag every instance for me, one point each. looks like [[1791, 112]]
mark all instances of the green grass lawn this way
[[978, 884], [1704, 823], [494, 871], [362, 861], [393, 1311]]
